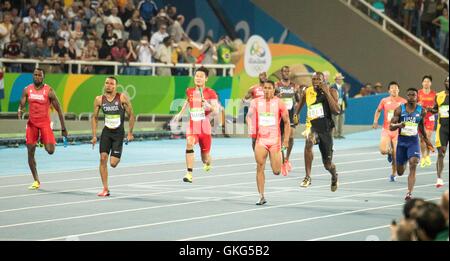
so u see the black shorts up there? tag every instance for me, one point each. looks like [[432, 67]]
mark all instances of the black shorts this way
[[111, 142], [325, 141]]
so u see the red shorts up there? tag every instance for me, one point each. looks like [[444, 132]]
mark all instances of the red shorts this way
[[271, 148], [428, 124], [32, 134], [393, 135], [204, 140]]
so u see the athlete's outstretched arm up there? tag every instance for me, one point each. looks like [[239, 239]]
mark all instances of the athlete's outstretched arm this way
[[129, 110], [376, 117], [395, 124], [22, 102], [94, 120], [423, 133], [57, 106], [302, 101]]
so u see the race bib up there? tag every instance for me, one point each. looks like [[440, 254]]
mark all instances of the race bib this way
[[431, 118], [267, 119], [112, 121], [197, 114], [315, 111], [390, 115], [443, 111], [289, 103], [410, 129]]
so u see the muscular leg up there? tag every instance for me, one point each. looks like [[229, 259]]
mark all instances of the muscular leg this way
[[114, 161], [190, 142], [394, 156], [440, 162], [291, 143], [385, 145], [413, 161], [206, 158], [308, 155], [32, 161], [50, 148], [104, 169], [275, 161], [260, 157]]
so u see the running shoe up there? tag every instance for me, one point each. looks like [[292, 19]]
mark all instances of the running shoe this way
[[428, 161], [408, 196], [261, 201], [306, 182], [439, 183], [284, 170], [288, 165], [103, 193], [206, 167], [34, 186], [422, 163], [389, 157], [188, 177], [334, 183], [392, 178]]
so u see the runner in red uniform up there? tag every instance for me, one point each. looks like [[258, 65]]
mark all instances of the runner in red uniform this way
[[265, 115], [388, 143], [256, 91], [426, 98], [202, 102], [39, 97]]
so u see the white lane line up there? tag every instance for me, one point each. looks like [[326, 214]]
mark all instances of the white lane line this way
[[144, 173], [125, 166], [173, 191], [294, 221], [164, 171], [227, 214], [356, 231]]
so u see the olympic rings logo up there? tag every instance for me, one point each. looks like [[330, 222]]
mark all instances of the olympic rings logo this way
[[129, 90]]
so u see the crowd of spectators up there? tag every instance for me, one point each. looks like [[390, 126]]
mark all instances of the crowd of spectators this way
[[102, 30]]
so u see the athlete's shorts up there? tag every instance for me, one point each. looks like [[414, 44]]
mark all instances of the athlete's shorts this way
[[271, 148], [442, 136], [204, 140], [407, 150], [33, 132], [111, 142], [325, 141], [429, 124], [393, 135]]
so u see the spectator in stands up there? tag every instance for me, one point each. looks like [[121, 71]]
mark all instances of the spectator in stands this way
[[162, 19], [64, 33], [116, 22], [442, 22], [90, 53], [119, 53], [61, 54], [15, 18], [104, 54], [78, 35], [47, 14], [339, 119], [6, 29], [429, 12], [32, 17], [158, 37], [5, 7], [130, 57], [362, 92], [379, 5], [145, 52], [208, 53], [176, 30], [409, 8], [109, 37], [126, 12], [430, 222], [188, 56], [73, 51], [13, 51], [164, 55], [378, 88], [147, 9], [224, 49], [97, 21], [135, 26]]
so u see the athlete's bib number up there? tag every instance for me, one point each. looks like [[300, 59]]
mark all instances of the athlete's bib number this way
[[197, 114], [289, 103], [410, 129], [390, 115], [267, 119], [443, 111], [315, 111], [112, 121]]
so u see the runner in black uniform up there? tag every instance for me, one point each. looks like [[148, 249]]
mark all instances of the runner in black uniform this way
[[114, 106], [288, 91]]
